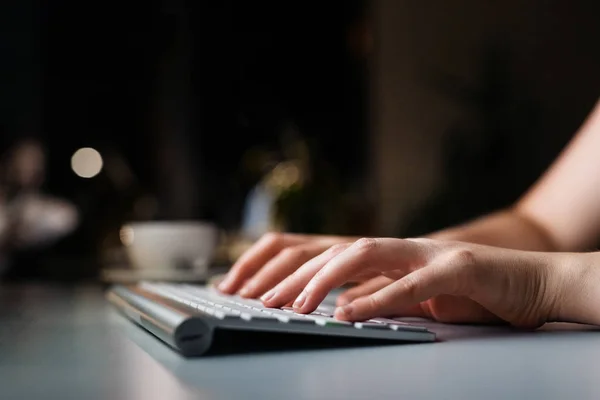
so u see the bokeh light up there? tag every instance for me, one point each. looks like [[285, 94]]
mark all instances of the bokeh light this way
[[86, 162]]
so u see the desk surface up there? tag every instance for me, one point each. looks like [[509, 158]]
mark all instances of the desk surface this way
[[68, 343]]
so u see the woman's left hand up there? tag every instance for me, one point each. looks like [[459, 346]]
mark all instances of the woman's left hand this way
[[448, 281]]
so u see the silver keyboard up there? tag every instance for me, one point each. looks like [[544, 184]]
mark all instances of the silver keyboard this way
[[191, 318], [215, 304]]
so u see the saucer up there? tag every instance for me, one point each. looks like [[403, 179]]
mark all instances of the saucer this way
[[132, 275]]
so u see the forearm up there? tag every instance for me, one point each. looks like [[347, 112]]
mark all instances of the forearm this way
[[508, 228]]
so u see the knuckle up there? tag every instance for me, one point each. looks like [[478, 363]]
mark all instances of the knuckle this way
[[298, 275], [409, 285], [291, 279], [320, 276], [338, 248], [366, 245], [375, 302], [464, 258], [461, 274], [289, 253], [272, 238]]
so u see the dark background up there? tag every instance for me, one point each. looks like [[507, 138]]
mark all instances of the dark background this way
[[182, 90], [215, 78]]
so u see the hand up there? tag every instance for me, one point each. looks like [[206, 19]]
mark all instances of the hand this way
[[273, 258], [448, 281]]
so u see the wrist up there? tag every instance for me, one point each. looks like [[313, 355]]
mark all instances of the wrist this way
[[578, 275], [508, 228]]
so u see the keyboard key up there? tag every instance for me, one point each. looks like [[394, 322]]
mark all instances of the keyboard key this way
[[319, 318], [293, 318], [399, 325], [251, 315], [201, 308], [319, 311], [237, 308], [232, 311], [300, 320], [249, 302], [210, 311], [222, 314], [321, 314], [370, 325], [286, 317], [332, 322], [326, 309], [327, 321]]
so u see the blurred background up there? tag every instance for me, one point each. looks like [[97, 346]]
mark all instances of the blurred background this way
[[363, 117]]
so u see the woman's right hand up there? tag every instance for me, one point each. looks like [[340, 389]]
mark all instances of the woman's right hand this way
[[272, 259]]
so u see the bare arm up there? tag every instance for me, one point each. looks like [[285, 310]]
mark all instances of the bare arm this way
[[561, 212], [508, 228]]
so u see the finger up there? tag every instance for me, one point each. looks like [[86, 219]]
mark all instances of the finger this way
[[414, 288], [252, 260], [364, 289], [363, 276], [290, 287], [374, 285], [281, 266], [364, 255]]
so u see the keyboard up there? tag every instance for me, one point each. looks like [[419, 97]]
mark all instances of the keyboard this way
[[198, 320]]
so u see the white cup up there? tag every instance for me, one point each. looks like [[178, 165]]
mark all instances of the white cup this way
[[170, 244]]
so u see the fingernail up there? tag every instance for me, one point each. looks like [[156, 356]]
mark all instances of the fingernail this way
[[245, 291], [346, 310], [268, 296], [224, 285], [300, 300]]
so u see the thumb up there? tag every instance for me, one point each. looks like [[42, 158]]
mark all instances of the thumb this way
[[414, 288]]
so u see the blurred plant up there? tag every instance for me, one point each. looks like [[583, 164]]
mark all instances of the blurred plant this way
[[299, 191]]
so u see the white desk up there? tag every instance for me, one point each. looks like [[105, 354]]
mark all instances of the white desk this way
[[68, 343]]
